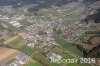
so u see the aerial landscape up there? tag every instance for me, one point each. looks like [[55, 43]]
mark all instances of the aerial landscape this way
[[49, 32]]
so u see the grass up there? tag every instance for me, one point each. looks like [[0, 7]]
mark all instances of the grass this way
[[66, 12], [27, 50], [11, 39], [13, 42], [67, 56], [46, 62], [61, 53], [85, 37], [33, 63], [78, 64], [70, 21], [56, 14], [17, 43], [67, 45], [43, 60]]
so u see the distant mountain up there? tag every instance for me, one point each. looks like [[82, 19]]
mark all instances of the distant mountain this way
[[95, 9], [94, 17], [85, 1], [48, 3], [56, 2], [14, 3]]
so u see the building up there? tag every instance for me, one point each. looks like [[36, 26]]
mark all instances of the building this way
[[53, 56]]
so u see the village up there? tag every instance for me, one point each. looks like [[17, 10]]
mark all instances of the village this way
[[48, 35]]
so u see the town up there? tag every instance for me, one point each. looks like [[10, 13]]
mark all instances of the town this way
[[34, 39]]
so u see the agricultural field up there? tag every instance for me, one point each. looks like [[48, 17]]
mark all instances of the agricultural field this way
[[67, 56], [33, 63], [57, 14], [85, 37], [43, 60], [78, 64], [28, 50], [40, 58], [71, 21], [67, 45], [61, 53], [15, 42], [7, 54]]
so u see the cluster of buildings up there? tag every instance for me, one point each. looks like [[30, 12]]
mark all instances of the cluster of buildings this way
[[40, 32], [54, 57], [15, 23], [21, 59], [72, 33]]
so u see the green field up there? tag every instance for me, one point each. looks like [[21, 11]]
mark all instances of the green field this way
[[46, 62], [57, 14], [66, 12], [17, 43], [67, 56], [70, 21], [40, 58], [67, 45], [78, 64], [85, 37], [27, 50], [61, 53], [33, 63]]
